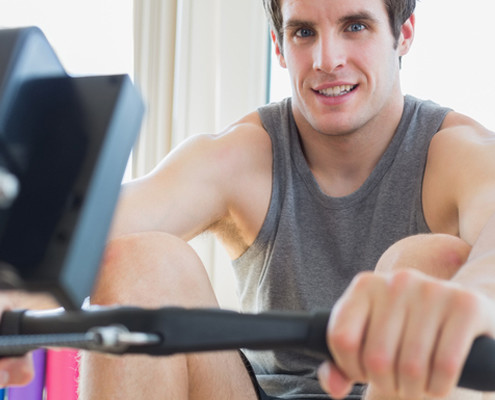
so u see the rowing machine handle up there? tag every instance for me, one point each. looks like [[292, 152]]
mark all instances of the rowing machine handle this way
[[304, 331], [478, 372]]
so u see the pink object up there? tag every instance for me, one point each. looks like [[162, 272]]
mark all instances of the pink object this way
[[62, 373]]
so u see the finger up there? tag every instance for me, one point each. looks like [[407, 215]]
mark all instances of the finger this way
[[333, 381], [16, 371], [419, 343], [453, 346], [385, 332], [347, 328]]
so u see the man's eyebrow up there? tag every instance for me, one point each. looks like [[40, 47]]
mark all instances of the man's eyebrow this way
[[297, 23], [364, 16]]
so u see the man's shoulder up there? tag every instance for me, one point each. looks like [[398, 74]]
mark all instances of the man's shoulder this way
[[233, 157], [243, 157], [460, 164], [244, 136], [250, 124], [458, 132], [246, 140]]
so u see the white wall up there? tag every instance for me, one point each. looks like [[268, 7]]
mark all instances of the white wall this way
[[90, 36], [452, 60]]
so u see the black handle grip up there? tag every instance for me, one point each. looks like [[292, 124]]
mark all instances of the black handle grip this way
[[206, 330], [479, 370]]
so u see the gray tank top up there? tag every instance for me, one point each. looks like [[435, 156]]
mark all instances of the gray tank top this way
[[311, 245]]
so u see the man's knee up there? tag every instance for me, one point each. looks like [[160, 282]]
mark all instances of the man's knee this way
[[438, 255], [151, 270]]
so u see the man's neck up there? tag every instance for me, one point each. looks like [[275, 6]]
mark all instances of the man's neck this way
[[341, 164]]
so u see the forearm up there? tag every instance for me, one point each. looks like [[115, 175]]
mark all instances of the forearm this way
[[479, 274], [479, 271], [32, 301]]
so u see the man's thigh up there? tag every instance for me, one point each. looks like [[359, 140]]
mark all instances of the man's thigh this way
[[220, 376], [153, 270]]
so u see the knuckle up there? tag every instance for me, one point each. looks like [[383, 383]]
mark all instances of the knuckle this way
[[429, 289], [378, 363], [403, 276], [412, 369], [363, 280], [401, 284], [24, 375], [447, 367], [429, 294], [401, 280], [465, 302], [343, 343]]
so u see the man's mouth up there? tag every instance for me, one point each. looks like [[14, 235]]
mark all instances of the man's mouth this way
[[337, 90]]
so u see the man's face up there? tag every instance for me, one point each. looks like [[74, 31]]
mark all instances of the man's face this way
[[343, 63]]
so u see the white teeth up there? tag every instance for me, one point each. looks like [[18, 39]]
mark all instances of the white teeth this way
[[337, 90]]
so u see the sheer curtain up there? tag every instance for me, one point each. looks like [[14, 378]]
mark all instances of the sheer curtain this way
[[154, 51], [200, 65]]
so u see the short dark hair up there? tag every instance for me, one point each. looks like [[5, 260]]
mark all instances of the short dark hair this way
[[398, 12]]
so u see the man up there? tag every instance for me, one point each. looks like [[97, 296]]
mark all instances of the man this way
[[303, 211], [306, 195]]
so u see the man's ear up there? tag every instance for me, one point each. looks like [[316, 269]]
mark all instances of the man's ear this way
[[407, 35], [278, 50]]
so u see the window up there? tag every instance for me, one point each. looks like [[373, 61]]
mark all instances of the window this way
[[279, 87]]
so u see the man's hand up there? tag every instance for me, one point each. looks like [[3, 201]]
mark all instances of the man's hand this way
[[403, 331], [16, 371], [19, 371]]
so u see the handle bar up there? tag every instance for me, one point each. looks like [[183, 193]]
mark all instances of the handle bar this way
[[193, 330]]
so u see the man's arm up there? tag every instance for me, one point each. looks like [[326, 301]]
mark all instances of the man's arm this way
[[463, 159], [19, 370], [183, 195], [405, 332], [209, 180], [203, 183]]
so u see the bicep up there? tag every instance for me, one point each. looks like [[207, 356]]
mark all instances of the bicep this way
[[476, 190], [474, 212], [182, 196], [459, 183]]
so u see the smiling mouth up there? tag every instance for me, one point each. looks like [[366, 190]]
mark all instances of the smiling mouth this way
[[337, 91]]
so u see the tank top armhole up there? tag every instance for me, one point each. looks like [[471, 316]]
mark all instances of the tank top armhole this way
[[268, 115]]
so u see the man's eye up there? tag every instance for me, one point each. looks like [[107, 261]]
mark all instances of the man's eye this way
[[356, 27], [304, 32]]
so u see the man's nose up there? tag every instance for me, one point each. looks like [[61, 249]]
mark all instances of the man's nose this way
[[329, 54]]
